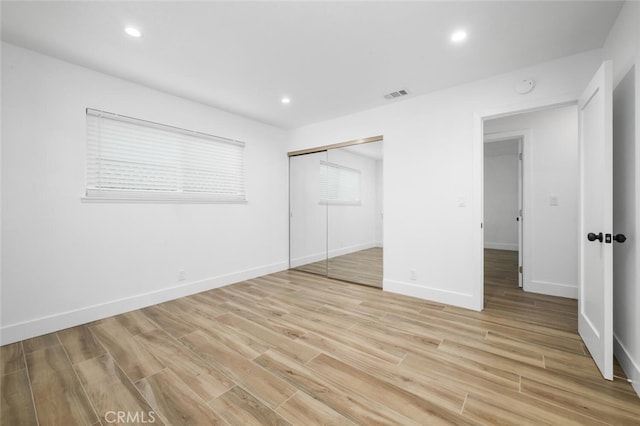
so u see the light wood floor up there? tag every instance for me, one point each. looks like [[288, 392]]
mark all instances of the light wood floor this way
[[294, 348], [504, 298], [362, 267]]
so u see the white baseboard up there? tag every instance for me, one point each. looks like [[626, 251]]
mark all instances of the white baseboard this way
[[631, 368], [39, 326], [551, 289], [463, 300], [501, 246]]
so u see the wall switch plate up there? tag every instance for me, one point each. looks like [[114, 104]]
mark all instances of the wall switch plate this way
[[553, 200], [461, 202]]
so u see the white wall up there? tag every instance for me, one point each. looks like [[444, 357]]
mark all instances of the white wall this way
[[623, 47], [65, 262], [501, 195], [432, 155], [550, 170], [342, 228]]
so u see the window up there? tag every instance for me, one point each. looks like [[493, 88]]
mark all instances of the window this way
[[339, 184], [131, 159]]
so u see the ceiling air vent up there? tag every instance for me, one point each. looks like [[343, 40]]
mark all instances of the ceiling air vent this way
[[397, 94]]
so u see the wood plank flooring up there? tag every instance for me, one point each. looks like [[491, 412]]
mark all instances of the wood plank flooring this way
[[297, 349]]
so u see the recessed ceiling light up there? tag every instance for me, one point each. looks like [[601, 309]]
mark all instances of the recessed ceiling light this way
[[133, 32], [459, 36], [286, 100]]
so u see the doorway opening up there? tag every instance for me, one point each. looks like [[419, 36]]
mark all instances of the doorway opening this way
[[503, 195], [579, 265], [530, 213]]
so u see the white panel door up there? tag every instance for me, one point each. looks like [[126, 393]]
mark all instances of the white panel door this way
[[595, 301]]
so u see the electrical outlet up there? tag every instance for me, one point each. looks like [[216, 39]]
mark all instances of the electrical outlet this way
[[413, 275], [181, 275]]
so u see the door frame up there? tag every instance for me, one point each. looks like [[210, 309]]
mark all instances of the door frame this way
[[478, 174], [524, 167]]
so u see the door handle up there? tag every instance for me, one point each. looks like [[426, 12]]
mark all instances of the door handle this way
[[620, 238], [592, 237]]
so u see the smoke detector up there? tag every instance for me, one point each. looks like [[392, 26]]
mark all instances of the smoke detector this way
[[397, 94], [524, 86]]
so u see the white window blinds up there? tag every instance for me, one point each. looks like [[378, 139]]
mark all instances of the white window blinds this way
[[131, 159], [339, 184]]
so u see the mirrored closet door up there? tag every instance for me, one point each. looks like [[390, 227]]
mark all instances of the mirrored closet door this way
[[307, 215], [336, 212]]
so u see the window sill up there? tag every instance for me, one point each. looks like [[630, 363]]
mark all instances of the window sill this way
[[159, 200]]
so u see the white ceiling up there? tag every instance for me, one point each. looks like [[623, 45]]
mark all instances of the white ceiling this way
[[331, 58]]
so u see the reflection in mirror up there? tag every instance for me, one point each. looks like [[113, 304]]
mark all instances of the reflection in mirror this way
[[308, 216], [352, 190]]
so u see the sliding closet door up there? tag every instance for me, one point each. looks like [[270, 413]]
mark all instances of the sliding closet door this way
[[352, 190], [308, 213]]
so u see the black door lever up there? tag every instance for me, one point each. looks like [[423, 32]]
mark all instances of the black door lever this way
[[592, 237], [620, 238]]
